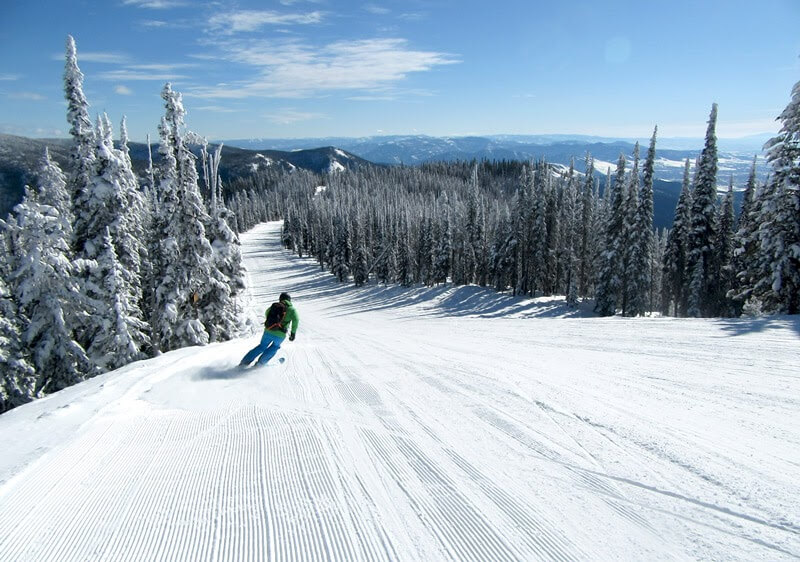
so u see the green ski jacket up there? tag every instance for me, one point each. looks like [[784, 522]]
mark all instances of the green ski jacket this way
[[291, 319]]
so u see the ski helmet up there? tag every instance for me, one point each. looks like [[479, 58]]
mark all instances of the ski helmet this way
[[285, 297]]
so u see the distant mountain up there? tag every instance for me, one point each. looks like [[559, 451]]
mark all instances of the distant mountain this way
[[20, 157], [558, 149]]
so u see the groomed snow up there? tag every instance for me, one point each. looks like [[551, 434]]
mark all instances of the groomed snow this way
[[420, 424]]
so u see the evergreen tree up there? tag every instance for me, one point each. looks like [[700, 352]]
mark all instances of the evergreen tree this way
[[221, 315], [723, 256], [44, 286], [587, 232], [443, 254], [675, 272], [641, 275], [82, 152], [780, 220], [17, 377], [632, 244], [119, 341], [703, 219], [745, 244], [360, 265], [609, 281], [186, 279]]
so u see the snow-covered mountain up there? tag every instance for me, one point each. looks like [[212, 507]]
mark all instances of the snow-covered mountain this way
[[420, 424], [736, 156]]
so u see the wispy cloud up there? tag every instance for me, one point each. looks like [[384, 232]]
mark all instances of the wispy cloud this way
[[288, 116], [153, 23], [155, 4], [292, 69], [162, 67], [215, 109], [8, 77], [253, 20], [375, 9], [104, 58], [123, 90], [30, 96], [128, 75]]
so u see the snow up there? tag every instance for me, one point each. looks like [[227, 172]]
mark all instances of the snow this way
[[335, 166], [420, 424]]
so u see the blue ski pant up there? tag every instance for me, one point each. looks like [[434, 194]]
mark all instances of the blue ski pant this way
[[267, 349]]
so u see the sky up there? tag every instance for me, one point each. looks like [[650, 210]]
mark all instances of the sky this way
[[320, 68]]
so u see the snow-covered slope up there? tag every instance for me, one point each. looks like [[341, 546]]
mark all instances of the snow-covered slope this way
[[420, 425]]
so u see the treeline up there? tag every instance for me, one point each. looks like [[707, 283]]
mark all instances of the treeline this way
[[538, 229], [99, 270]]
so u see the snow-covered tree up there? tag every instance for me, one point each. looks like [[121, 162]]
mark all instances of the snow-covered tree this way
[[44, 286], [609, 280], [185, 275], [82, 153], [122, 333], [723, 257], [642, 238], [704, 218], [221, 316], [675, 273], [780, 219], [17, 377]]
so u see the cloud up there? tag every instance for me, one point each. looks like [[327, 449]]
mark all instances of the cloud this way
[[123, 90], [30, 96], [291, 69], [375, 9], [288, 116], [104, 58], [8, 77], [216, 109], [253, 20], [155, 4], [128, 75]]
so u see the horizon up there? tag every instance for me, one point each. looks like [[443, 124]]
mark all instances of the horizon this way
[[302, 69]]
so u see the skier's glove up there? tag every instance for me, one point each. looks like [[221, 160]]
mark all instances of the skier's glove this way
[[291, 337]]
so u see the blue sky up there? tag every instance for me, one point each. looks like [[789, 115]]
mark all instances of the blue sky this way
[[303, 68]]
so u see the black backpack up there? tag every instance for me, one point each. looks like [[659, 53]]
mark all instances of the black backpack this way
[[275, 316]]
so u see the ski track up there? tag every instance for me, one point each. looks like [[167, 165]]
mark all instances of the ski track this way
[[411, 445]]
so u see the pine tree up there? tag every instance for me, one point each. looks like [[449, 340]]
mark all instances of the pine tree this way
[[675, 273], [609, 280], [745, 244], [56, 195], [443, 253], [119, 342], [703, 219], [221, 315], [44, 286], [82, 153], [587, 230], [17, 377], [360, 265], [641, 275], [186, 281], [632, 244], [342, 251], [780, 230], [723, 256]]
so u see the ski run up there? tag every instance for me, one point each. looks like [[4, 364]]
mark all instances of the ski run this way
[[420, 424]]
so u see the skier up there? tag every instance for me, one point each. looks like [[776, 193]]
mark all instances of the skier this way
[[280, 316]]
